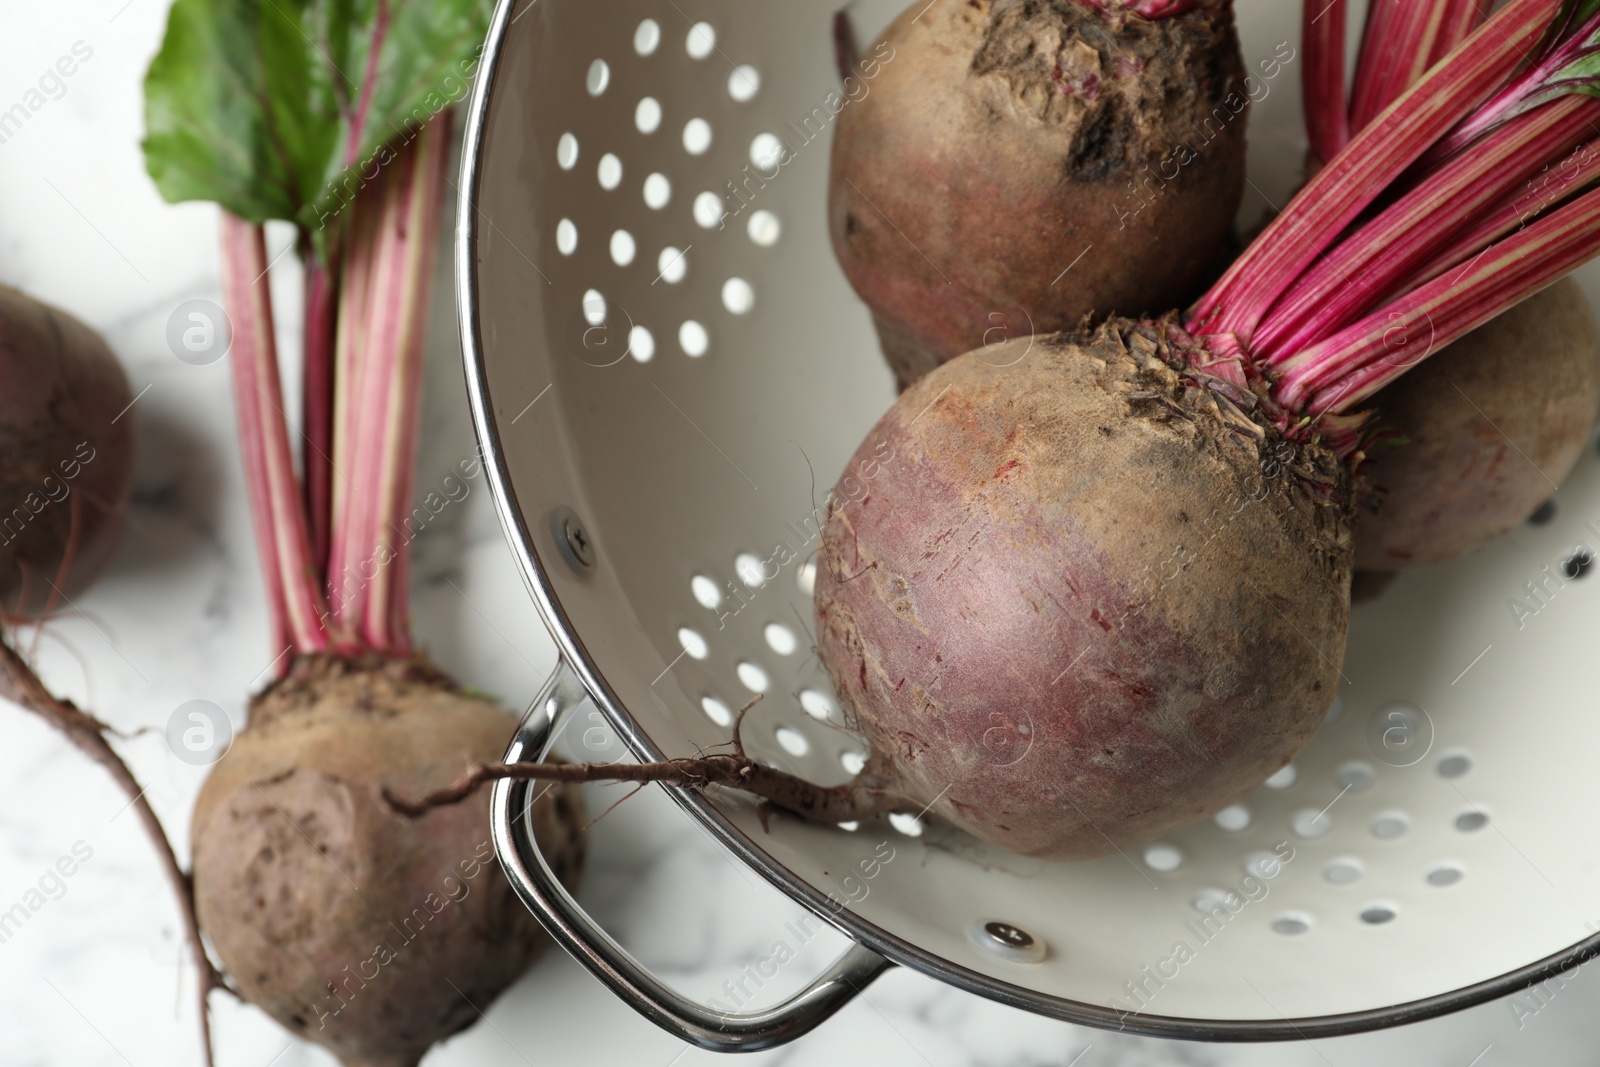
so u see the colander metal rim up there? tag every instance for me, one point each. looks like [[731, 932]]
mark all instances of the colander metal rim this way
[[900, 951]]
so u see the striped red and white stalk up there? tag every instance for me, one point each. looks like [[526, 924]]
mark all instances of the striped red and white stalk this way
[[1322, 80], [294, 599], [1414, 234], [1402, 40], [367, 388]]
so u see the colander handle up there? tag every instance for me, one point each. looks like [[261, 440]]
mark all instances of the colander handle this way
[[575, 931]]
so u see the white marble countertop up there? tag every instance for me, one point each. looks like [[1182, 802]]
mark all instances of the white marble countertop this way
[[97, 976]]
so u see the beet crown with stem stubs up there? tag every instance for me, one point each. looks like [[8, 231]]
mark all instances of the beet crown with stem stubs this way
[[1101, 589], [357, 927]]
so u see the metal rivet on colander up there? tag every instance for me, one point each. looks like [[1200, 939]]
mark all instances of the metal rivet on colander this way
[[576, 546], [1008, 941]]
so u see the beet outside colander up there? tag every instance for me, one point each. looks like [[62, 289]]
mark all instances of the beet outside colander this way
[[654, 377]]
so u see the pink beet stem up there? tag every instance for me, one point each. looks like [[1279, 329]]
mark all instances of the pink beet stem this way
[[349, 351], [293, 592], [1350, 366], [1557, 71], [1322, 82], [321, 325], [1373, 160], [1512, 212], [1368, 265], [1403, 39], [378, 406]]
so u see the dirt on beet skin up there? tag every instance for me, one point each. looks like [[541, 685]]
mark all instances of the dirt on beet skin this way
[[1082, 600], [342, 919], [996, 142]]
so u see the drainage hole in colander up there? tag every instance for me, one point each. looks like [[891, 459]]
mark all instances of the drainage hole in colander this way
[[1291, 925], [641, 344], [1544, 513], [693, 339], [1163, 857], [566, 237], [1264, 865], [1311, 823], [744, 83], [1446, 874], [673, 264], [792, 741], [647, 38], [1208, 901], [909, 825], [1377, 914], [706, 591], [647, 116], [1390, 825], [594, 308], [599, 77], [753, 677], [747, 565], [693, 643], [850, 827], [567, 151], [1471, 821], [738, 296], [817, 705], [623, 248], [781, 639], [1356, 776], [1283, 779], [1233, 818], [657, 191], [708, 210], [1455, 765], [609, 171], [1343, 872], [766, 152], [806, 577], [1578, 564], [697, 137], [853, 762], [702, 40], [765, 229], [716, 711]]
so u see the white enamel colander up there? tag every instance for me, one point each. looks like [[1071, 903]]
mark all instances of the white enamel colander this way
[[668, 371]]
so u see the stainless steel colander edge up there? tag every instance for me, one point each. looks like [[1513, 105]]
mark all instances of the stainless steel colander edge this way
[[577, 677]]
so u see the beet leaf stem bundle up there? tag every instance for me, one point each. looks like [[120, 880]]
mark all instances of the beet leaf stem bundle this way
[[1412, 235]]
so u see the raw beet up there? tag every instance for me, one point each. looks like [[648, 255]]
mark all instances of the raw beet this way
[[1139, 591], [988, 145], [66, 460], [1483, 433], [344, 920]]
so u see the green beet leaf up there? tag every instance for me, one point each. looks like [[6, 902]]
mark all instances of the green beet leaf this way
[[283, 109]]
